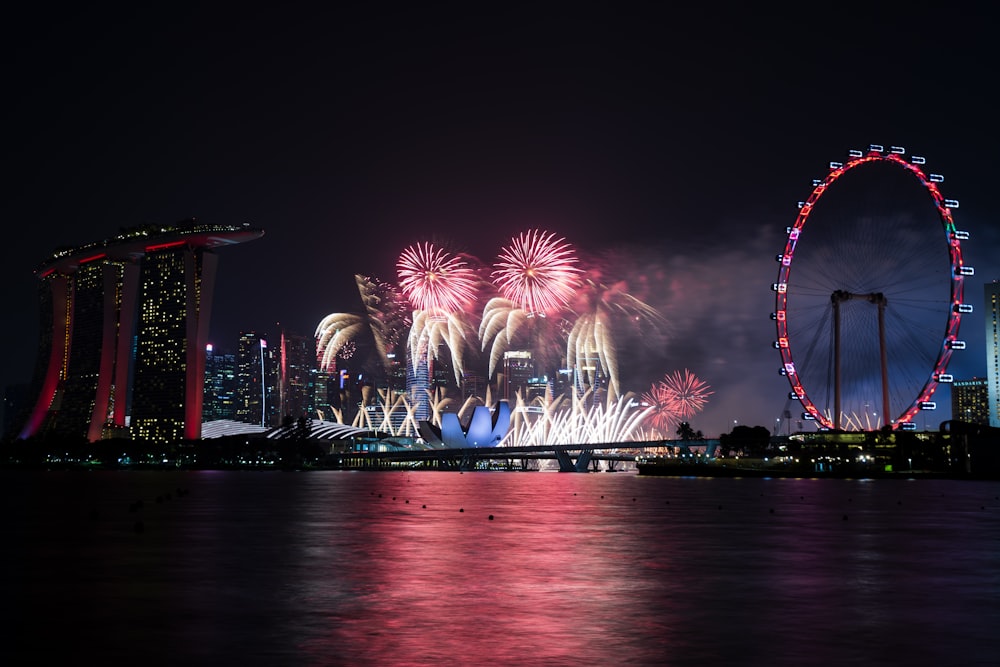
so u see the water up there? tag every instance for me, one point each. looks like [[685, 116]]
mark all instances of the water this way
[[397, 568]]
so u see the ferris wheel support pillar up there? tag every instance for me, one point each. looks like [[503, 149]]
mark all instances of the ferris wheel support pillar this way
[[880, 300], [836, 298]]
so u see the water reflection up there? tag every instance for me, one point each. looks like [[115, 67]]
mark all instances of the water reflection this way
[[346, 568]]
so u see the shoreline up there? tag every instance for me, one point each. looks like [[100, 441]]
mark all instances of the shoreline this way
[[670, 469]]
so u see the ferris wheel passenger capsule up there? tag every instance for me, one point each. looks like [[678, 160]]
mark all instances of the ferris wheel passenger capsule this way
[[963, 308], [928, 405], [951, 203], [961, 235], [935, 178], [956, 344], [836, 165], [808, 416], [855, 153], [908, 426], [898, 150], [916, 159], [817, 182], [945, 378], [876, 147], [966, 271]]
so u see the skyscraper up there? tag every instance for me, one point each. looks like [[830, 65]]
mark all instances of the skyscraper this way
[[418, 384], [970, 401], [297, 375], [220, 385], [993, 349], [171, 334], [250, 378], [124, 323], [518, 368]]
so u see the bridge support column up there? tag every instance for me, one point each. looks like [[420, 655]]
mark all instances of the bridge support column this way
[[566, 464]]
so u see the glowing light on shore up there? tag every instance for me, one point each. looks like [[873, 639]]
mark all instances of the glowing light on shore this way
[[434, 280], [537, 272]]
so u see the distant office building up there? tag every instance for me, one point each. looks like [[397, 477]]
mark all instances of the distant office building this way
[[993, 350], [297, 374], [251, 375], [395, 372], [562, 382], [473, 386], [220, 385], [538, 388], [518, 369], [441, 370], [324, 396], [418, 384], [970, 401], [124, 323], [589, 374]]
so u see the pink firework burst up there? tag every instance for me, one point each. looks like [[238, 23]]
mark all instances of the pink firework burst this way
[[689, 393], [538, 272], [435, 280], [662, 400]]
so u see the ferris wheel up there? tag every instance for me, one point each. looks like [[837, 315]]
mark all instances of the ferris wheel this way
[[873, 306]]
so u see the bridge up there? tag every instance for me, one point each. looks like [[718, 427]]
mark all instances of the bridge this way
[[571, 458]]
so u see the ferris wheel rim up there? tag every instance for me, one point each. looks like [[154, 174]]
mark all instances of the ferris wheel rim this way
[[783, 344]]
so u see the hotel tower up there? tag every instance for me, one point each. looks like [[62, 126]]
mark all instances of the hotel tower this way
[[124, 324]]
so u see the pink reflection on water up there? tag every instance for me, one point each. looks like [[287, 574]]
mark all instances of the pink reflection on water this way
[[443, 583]]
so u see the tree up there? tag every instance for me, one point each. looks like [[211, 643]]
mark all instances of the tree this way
[[685, 432], [750, 441]]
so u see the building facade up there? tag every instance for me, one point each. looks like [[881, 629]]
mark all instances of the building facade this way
[[220, 385], [297, 376], [970, 401], [992, 298], [124, 323]]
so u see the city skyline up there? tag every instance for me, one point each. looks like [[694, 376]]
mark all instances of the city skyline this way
[[356, 136]]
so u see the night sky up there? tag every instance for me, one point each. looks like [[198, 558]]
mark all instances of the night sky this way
[[680, 140]]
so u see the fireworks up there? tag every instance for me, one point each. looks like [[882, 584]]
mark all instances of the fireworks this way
[[543, 304], [662, 404], [690, 393], [500, 322], [675, 398], [434, 280], [538, 272], [583, 420], [429, 333], [333, 333], [600, 307], [388, 315]]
